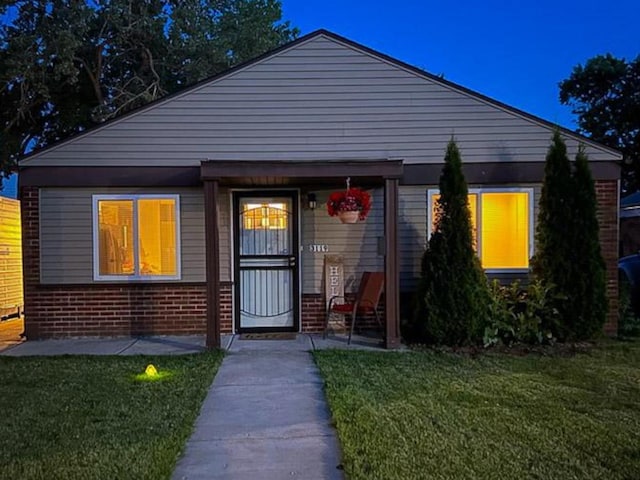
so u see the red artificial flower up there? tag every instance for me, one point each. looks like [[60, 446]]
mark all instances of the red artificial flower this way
[[352, 200]]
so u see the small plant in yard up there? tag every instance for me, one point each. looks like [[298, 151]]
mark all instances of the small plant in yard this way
[[452, 296], [520, 315]]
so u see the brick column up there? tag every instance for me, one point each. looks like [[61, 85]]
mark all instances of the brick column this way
[[607, 196], [30, 218]]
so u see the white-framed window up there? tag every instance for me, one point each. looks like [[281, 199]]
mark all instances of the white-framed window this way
[[502, 223], [136, 237]]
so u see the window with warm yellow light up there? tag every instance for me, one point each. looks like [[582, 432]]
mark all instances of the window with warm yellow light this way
[[264, 216], [501, 223], [157, 237], [136, 237], [505, 230]]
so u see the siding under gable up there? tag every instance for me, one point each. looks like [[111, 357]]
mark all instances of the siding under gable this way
[[320, 99]]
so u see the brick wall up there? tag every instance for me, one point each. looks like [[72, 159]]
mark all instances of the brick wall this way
[[226, 308], [108, 309], [607, 196], [112, 310]]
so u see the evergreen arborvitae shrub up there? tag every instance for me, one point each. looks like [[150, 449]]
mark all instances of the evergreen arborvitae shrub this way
[[552, 263], [452, 298], [568, 254], [588, 296]]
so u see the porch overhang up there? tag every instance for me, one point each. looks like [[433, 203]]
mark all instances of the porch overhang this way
[[300, 173], [382, 172]]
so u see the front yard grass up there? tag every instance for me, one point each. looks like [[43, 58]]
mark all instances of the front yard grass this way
[[95, 417], [428, 415]]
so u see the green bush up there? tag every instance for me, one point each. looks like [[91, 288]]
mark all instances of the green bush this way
[[452, 296], [520, 315]]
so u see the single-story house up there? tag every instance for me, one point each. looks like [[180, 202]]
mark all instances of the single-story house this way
[[195, 213], [630, 224]]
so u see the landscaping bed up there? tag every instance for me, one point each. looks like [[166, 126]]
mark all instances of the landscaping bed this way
[[452, 416], [99, 417]]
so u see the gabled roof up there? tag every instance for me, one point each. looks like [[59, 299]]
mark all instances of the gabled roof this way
[[347, 43]]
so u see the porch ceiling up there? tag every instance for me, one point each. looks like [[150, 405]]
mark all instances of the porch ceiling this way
[[300, 173]]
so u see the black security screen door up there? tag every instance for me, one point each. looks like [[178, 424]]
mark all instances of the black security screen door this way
[[266, 261]]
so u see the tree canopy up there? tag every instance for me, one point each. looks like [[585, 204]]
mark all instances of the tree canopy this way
[[605, 95], [66, 65]]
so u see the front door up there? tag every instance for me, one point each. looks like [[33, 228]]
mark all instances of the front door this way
[[266, 261]]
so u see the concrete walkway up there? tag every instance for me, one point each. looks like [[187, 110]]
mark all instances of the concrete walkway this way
[[166, 345], [265, 417]]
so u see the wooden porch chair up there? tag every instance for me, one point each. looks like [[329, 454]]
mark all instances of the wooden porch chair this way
[[367, 300]]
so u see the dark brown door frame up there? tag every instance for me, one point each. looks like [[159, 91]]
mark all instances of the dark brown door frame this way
[[391, 263], [212, 259], [295, 254]]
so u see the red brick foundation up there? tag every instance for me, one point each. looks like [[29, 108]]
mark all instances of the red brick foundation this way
[[108, 309], [607, 196]]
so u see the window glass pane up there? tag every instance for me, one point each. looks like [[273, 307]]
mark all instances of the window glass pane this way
[[473, 209], [157, 237], [505, 230], [115, 237], [264, 226], [264, 216]]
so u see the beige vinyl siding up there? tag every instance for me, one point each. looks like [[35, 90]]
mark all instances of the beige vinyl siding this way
[[358, 243], [412, 233], [11, 295], [412, 229], [320, 99], [66, 235]]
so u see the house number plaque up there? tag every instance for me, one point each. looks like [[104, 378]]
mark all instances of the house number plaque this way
[[318, 248]]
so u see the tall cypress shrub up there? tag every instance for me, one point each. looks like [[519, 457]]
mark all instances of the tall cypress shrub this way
[[452, 296], [589, 295], [552, 263]]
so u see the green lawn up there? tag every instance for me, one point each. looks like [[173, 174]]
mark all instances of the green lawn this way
[[94, 417], [437, 415]]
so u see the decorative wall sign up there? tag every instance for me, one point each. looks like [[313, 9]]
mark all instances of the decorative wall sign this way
[[333, 277]]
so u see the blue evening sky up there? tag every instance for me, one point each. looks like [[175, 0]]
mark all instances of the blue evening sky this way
[[513, 51]]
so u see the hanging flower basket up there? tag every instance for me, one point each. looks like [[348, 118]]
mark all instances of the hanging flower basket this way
[[347, 216], [350, 205]]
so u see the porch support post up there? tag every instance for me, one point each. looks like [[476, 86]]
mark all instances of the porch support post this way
[[391, 270], [212, 262]]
